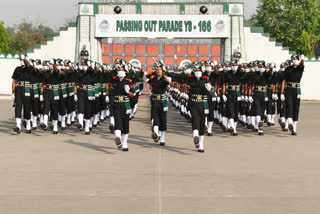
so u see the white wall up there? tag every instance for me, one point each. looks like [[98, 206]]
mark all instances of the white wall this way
[[7, 67], [258, 47], [62, 47], [310, 88]]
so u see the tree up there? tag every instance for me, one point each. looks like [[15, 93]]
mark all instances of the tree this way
[[4, 38], [286, 20], [304, 46]]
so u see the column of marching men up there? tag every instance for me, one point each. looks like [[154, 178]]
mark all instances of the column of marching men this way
[[57, 93]]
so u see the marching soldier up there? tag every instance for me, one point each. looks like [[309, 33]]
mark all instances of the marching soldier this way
[[119, 92], [159, 104]]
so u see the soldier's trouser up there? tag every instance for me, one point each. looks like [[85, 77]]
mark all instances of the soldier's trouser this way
[[102, 101], [270, 103], [158, 115], [292, 103], [71, 104], [210, 116], [35, 105], [232, 105], [259, 103], [50, 105], [22, 101], [62, 104], [198, 117], [281, 106], [120, 117], [84, 104]]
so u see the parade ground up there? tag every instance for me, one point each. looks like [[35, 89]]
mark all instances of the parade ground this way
[[73, 173]]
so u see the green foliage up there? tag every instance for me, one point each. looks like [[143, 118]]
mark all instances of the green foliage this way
[[4, 38], [26, 35], [287, 20]]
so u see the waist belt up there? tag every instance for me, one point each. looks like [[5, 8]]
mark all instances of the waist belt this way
[[260, 88], [293, 84], [158, 96], [84, 87], [199, 98], [21, 83], [51, 87], [233, 87], [121, 99]]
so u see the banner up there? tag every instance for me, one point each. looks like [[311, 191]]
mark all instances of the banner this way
[[164, 26]]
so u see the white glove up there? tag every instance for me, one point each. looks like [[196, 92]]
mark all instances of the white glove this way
[[282, 97], [215, 63], [218, 99], [242, 98], [246, 98], [224, 97], [301, 57], [250, 99], [208, 86], [12, 96], [187, 96], [41, 98], [169, 79], [75, 98], [107, 99], [127, 88], [276, 97], [266, 99]]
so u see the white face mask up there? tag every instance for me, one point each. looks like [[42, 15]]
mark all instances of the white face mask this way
[[203, 68], [51, 67], [198, 74], [220, 69], [59, 67], [67, 68], [229, 68], [295, 62], [256, 68], [121, 74], [234, 68], [40, 67], [252, 69], [22, 62], [262, 70], [85, 68], [46, 68], [282, 69], [208, 69], [247, 70]]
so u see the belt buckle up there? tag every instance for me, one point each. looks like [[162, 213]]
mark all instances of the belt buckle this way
[[84, 87], [294, 85], [199, 97], [50, 86], [260, 88], [233, 88], [22, 83], [120, 98], [158, 97]]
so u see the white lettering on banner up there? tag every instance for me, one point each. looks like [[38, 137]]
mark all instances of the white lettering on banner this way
[[172, 26]]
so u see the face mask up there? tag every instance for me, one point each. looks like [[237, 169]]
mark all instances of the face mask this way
[[220, 69], [51, 67], [282, 69], [229, 68], [247, 70], [59, 67], [252, 69], [67, 68], [262, 70], [40, 67], [121, 74], [22, 63], [46, 68], [208, 69], [203, 68], [198, 74], [85, 68], [256, 68], [295, 62], [234, 68]]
